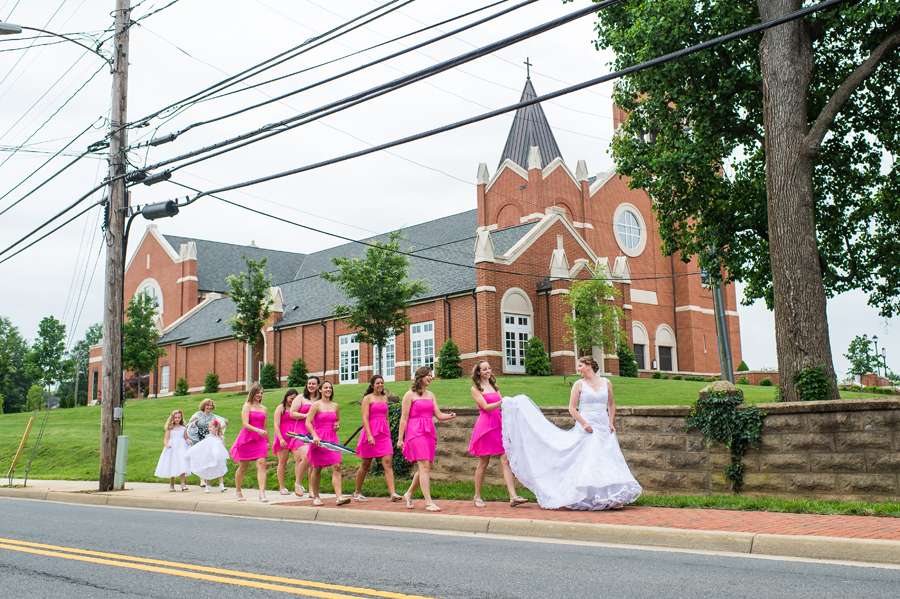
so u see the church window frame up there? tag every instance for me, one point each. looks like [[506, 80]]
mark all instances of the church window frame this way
[[630, 230]]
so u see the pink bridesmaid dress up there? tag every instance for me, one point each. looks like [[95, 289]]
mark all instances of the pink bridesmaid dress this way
[[287, 425], [250, 445], [487, 438], [381, 432], [324, 425], [420, 440]]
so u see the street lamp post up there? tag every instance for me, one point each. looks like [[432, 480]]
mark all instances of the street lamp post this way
[[877, 366], [12, 29]]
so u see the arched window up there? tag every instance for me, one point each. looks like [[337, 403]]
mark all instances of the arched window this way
[[152, 288], [641, 344], [666, 349], [518, 322]]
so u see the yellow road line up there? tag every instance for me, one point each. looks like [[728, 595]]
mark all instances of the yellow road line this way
[[208, 574]]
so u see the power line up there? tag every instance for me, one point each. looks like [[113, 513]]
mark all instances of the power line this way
[[46, 235]]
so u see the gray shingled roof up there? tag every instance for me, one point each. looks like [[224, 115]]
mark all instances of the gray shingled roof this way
[[309, 297], [216, 261], [530, 128]]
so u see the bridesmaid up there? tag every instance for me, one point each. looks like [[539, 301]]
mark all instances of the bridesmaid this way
[[285, 445], [486, 436], [417, 438], [323, 421], [252, 443], [299, 410], [375, 442]]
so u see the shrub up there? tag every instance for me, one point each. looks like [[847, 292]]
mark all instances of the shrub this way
[[766, 382], [695, 378], [268, 376], [855, 388], [676, 377], [742, 366], [743, 381], [656, 375], [181, 386], [627, 363], [811, 383], [536, 361], [211, 384], [128, 395], [299, 374], [448, 366], [664, 376], [711, 379]]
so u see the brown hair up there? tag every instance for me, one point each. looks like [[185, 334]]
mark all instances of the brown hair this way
[[287, 394], [418, 387], [256, 388], [371, 387], [318, 388], [205, 402], [590, 361], [476, 377]]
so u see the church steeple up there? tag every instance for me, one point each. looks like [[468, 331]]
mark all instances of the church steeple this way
[[530, 128]]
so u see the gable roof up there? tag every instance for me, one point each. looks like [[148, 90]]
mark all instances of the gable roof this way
[[216, 261], [530, 128], [208, 323]]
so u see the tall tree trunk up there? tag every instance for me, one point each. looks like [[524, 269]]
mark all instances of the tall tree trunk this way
[[801, 324]]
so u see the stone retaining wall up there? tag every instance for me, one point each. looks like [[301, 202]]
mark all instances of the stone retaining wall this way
[[841, 449]]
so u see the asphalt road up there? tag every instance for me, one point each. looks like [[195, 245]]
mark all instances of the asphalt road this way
[[71, 551]]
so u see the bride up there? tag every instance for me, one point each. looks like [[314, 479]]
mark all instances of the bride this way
[[582, 468]]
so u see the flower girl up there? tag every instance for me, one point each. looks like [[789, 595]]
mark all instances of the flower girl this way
[[173, 459], [208, 457]]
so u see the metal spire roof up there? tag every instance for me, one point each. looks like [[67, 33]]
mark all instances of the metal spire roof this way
[[530, 128]]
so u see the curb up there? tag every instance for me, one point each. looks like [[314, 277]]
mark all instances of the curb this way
[[800, 546]]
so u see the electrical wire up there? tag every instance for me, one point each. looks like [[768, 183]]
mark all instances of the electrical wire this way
[[46, 235]]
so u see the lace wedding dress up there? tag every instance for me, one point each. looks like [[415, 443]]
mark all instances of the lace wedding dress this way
[[573, 468]]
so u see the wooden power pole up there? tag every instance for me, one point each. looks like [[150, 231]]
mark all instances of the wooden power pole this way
[[117, 204]]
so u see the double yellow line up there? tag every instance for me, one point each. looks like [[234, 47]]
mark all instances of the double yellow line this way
[[245, 579]]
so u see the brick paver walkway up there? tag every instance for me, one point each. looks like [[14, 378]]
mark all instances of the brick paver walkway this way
[[856, 527]]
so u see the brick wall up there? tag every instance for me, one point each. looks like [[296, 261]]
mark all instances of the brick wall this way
[[842, 449]]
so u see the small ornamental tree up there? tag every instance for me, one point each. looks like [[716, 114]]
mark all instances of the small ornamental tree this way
[[627, 363], [379, 289], [181, 386], [46, 358], [140, 352], [211, 384], [250, 294], [861, 361], [596, 320], [742, 366], [299, 374], [268, 376], [35, 399], [536, 361], [448, 366]]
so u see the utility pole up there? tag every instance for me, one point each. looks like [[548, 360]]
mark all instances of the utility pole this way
[[115, 228]]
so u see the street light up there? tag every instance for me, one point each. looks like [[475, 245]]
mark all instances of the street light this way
[[877, 366], [12, 29]]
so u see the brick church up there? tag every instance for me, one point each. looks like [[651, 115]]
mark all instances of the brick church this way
[[503, 270]]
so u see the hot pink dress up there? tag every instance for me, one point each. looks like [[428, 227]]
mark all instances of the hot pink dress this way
[[300, 427], [487, 438], [420, 440], [287, 425], [381, 432], [323, 422], [250, 445]]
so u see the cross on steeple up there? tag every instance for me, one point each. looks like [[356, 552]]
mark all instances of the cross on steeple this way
[[528, 66]]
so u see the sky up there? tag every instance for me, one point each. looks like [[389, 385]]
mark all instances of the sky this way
[[51, 94]]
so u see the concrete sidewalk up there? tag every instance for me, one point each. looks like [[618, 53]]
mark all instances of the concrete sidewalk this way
[[848, 538]]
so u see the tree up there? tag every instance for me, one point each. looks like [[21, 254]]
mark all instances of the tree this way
[[250, 294], [627, 362], [268, 376], [536, 361], [140, 353], [46, 358], [15, 380], [448, 366], [211, 383], [770, 148], [378, 287], [742, 366], [861, 361], [299, 374], [35, 399], [181, 387], [596, 319]]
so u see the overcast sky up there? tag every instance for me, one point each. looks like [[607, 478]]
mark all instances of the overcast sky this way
[[193, 44]]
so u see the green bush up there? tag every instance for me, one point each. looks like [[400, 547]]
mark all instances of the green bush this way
[[448, 366], [676, 377], [627, 363], [128, 395], [766, 382], [656, 375], [181, 386], [299, 374], [695, 378], [664, 376], [711, 379], [536, 361], [743, 381], [812, 383], [742, 366], [211, 384], [268, 376]]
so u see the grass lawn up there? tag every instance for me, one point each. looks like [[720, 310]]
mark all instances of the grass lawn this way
[[70, 447]]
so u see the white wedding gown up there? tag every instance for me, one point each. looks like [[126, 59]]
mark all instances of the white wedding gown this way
[[573, 468]]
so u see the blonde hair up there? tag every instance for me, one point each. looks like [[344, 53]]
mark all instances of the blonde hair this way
[[418, 387], [170, 421], [590, 361], [476, 377], [219, 431], [256, 388], [206, 402]]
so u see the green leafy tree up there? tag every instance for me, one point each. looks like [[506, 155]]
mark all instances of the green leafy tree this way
[[74, 385], [861, 361], [181, 387], [268, 376], [596, 320], [772, 148], [140, 353], [15, 379], [448, 366], [378, 287], [211, 383], [742, 366], [35, 399], [537, 363], [48, 352], [299, 374], [250, 294], [627, 363]]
